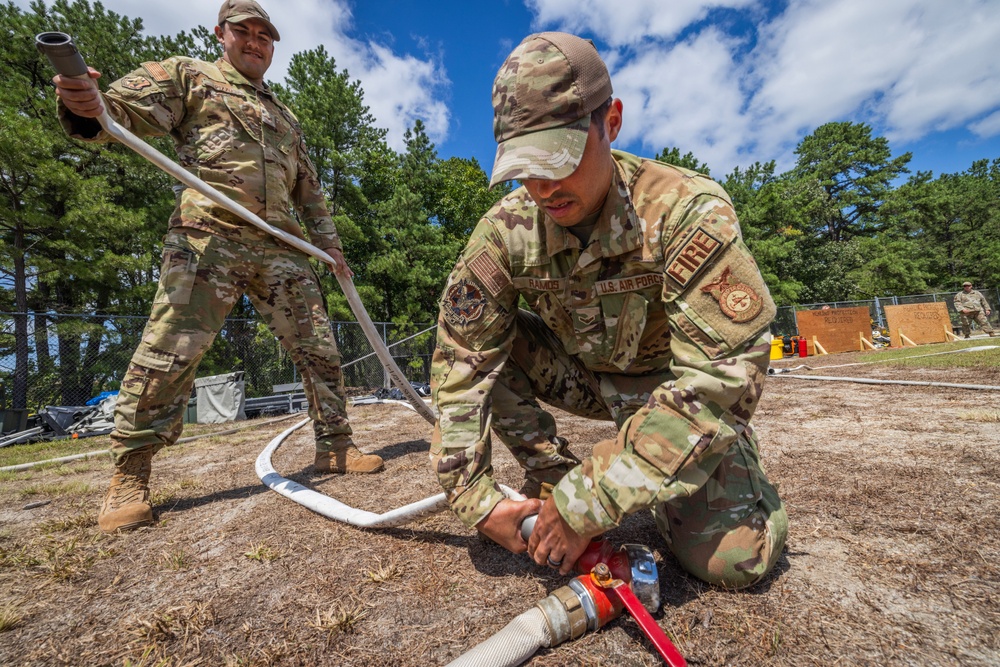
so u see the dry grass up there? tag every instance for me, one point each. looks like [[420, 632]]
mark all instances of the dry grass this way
[[342, 617], [385, 571], [262, 553], [893, 556], [11, 615]]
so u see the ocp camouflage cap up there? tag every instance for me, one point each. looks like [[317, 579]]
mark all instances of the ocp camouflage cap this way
[[237, 11], [542, 99], [966, 283]]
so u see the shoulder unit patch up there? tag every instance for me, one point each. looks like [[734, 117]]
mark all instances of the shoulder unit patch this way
[[738, 300], [463, 303], [136, 83]]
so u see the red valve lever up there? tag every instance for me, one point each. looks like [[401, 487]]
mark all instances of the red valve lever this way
[[601, 575]]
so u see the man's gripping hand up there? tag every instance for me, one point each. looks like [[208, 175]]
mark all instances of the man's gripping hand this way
[[80, 96], [338, 264], [554, 542], [503, 524]]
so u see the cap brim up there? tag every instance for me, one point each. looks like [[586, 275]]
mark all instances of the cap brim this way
[[240, 18], [550, 154]]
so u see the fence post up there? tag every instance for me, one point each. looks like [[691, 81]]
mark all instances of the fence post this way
[[386, 382]]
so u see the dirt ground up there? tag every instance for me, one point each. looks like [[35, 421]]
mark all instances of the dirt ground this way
[[892, 558]]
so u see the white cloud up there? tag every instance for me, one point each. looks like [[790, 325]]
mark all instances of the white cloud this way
[[909, 68], [398, 88], [626, 21], [687, 96], [987, 127]]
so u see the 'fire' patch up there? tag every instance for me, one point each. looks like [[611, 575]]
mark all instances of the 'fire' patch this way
[[694, 253]]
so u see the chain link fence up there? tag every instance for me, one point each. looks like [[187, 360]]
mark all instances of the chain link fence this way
[[785, 324], [71, 359]]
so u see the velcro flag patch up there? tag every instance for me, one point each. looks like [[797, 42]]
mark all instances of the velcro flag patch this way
[[156, 71], [489, 272]]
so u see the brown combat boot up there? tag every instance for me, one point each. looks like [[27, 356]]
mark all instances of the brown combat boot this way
[[347, 458], [126, 504]]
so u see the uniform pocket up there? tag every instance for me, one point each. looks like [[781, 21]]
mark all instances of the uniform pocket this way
[[177, 272], [630, 326], [248, 116]]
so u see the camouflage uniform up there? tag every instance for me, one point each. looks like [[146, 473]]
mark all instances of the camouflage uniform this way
[[975, 302], [239, 138], [656, 325]]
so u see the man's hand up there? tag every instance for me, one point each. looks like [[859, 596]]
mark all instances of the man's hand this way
[[503, 524], [553, 541], [338, 264], [80, 96]]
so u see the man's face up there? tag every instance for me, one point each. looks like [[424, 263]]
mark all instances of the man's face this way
[[582, 193], [248, 47], [967, 288]]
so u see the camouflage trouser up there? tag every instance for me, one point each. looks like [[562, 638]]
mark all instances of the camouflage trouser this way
[[729, 533], [201, 279], [979, 317]]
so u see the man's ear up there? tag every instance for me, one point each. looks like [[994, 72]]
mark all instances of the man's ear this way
[[219, 33], [613, 120]]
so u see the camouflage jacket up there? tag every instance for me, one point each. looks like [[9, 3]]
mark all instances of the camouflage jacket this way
[[235, 136], [974, 301], [665, 297]]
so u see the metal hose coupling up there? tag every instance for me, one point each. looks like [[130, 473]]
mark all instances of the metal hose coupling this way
[[610, 581], [584, 606], [632, 563]]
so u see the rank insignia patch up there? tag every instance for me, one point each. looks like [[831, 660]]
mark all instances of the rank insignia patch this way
[[136, 82], [463, 303], [738, 300]]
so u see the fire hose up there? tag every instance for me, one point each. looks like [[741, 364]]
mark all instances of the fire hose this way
[[58, 47]]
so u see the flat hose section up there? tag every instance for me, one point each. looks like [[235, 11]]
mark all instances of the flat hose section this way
[[513, 645]]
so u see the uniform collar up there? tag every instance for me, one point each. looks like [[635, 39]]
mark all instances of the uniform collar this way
[[234, 76], [618, 230]]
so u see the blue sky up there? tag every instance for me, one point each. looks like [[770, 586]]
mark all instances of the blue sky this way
[[733, 81]]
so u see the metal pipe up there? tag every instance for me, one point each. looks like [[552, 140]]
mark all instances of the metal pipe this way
[[66, 59]]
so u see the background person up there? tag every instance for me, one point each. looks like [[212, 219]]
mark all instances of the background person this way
[[646, 309], [231, 131], [972, 306]]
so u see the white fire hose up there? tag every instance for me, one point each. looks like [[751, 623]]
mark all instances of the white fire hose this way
[[66, 59]]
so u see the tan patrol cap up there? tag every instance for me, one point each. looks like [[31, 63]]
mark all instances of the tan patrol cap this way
[[542, 99], [237, 11], [966, 283]]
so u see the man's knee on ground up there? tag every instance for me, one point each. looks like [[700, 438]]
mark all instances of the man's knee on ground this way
[[736, 557]]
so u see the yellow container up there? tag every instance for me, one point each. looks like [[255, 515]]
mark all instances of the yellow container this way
[[777, 345]]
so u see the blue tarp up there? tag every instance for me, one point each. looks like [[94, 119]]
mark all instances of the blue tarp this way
[[100, 397]]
